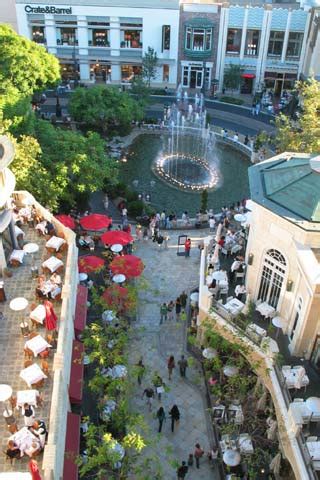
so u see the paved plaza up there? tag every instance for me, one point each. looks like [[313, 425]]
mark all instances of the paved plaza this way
[[167, 276]]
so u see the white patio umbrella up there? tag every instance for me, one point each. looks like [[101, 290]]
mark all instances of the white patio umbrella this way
[[239, 217], [5, 394], [232, 458], [209, 353], [230, 371], [313, 404]]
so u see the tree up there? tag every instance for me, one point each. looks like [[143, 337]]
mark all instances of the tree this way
[[149, 65], [104, 108], [140, 90], [302, 134], [204, 201], [232, 77]]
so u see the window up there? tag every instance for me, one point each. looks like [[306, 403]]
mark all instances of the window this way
[[38, 34], [234, 40], [185, 77], [294, 44], [131, 35], [252, 43], [165, 37], [129, 71], [98, 38], [67, 36], [272, 277], [198, 39], [165, 76], [296, 318], [275, 43]]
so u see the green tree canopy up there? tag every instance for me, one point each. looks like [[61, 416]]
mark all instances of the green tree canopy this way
[[232, 77], [303, 133], [149, 65], [104, 108]]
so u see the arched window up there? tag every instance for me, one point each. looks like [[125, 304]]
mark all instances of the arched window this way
[[272, 277]]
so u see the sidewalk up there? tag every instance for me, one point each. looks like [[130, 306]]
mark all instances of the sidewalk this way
[[167, 276]]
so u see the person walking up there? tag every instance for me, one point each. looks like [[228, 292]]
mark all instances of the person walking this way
[[170, 308], [175, 416], [158, 385], [182, 471], [141, 369], [183, 363], [183, 300], [187, 247], [171, 365], [198, 453], [163, 312], [161, 417], [149, 393], [178, 309]]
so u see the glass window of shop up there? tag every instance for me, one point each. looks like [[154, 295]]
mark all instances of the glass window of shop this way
[[38, 34], [98, 34], [234, 40], [166, 73], [275, 46], [252, 43], [100, 71], [69, 71], [198, 39], [294, 44], [66, 32], [128, 72], [166, 32], [131, 35]]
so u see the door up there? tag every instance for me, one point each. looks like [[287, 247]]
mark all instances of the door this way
[[193, 78], [199, 79], [272, 278], [278, 87]]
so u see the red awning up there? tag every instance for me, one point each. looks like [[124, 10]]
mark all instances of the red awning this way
[[248, 75], [76, 374], [80, 316], [71, 450]]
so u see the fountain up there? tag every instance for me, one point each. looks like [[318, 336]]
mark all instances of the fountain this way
[[188, 159]]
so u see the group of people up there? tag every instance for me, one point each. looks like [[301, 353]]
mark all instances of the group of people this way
[[50, 288], [173, 308]]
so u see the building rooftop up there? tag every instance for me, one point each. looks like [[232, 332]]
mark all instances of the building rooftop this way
[[166, 4], [290, 187]]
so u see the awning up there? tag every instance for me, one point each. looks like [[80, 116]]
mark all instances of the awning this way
[[76, 374], [200, 22], [80, 316], [71, 451], [248, 75]]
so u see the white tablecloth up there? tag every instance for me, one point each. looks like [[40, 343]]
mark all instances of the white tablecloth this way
[[299, 412], [53, 263], [238, 418], [24, 439], [32, 374], [265, 309], [27, 396], [234, 306], [18, 231], [38, 314], [314, 450], [17, 255], [245, 444], [37, 345], [295, 378], [55, 242], [42, 227]]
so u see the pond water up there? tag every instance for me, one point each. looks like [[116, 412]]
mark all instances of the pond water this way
[[137, 172]]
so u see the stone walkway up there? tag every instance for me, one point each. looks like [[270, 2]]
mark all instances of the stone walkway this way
[[168, 275]]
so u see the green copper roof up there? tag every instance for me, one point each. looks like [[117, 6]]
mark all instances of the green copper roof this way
[[287, 186]]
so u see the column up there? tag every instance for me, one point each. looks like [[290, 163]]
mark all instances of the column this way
[[224, 21], [115, 36], [115, 73], [82, 35], [50, 33], [84, 71], [286, 38], [264, 43], [304, 46], [244, 33]]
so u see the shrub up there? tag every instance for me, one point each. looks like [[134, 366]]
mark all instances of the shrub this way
[[135, 208], [233, 100]]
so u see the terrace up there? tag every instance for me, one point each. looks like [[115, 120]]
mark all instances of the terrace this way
[[55, 404]]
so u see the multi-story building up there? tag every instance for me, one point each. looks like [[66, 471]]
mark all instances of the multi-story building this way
[[105, 40], [8, 13], [311, 66]]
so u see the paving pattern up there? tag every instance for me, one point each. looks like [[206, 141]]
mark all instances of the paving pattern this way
[[168, 275]]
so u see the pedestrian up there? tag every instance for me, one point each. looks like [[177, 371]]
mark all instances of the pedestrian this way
[[141, 369], [145, 234], [190, 460], [163, 312], [170, 308], [182, 471], [213, 456], [158, 385], [183, 363], [124, 213], [149, 393], [187, 247], [246, 140], [165, 242], [183, 300], [253, 109], [171, 366], [175, 416], [212, 223], [163, 219], [178, 309], [161, 417], [29, 414], [258, 106], [198, 453]]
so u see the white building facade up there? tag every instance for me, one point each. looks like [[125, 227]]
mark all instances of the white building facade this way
[[105, 41]]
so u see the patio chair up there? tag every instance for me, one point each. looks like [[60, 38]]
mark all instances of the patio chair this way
[[28, 363], [298, 400], [312, 439], [28, 353]]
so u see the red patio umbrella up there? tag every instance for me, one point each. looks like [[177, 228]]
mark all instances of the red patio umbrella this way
[[90, 263], [115, 296], [51, 317], [116, 236], [34, 470], [66, 220], [129, 265], [95, 221]]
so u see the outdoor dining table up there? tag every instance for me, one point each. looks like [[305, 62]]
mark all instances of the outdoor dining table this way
[[232, 442], [32, 374], [52, 264], [218, 412], [299, 412], [234, 306], [27, 396], [295, 377], [55, 243], [25, 440], [235, 414], [256, 332], [17, 255], [37, 345], [265, 309], [38, 314], [314, 452]]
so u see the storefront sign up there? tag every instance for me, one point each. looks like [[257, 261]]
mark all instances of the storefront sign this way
[[47, 9]]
